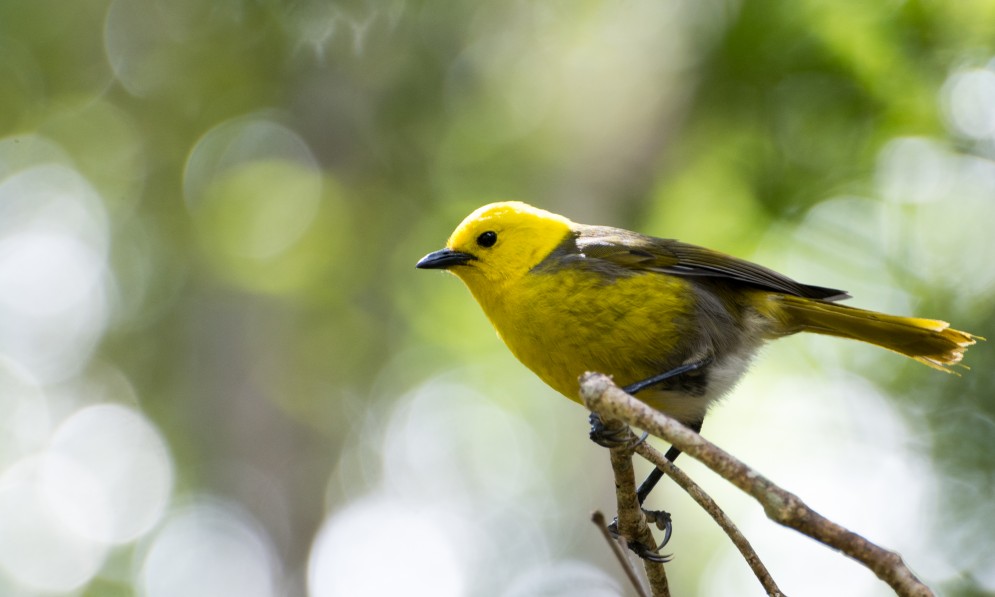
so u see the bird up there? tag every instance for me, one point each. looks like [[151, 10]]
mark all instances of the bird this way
[[676, 324]]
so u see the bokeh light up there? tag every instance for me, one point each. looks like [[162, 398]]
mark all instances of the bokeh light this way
[[53, 245], [39, 550], [380, 547], [208, 548], [25, 417], [951, 196], [441, 442], [128, 466], [254, 189], [969, 99]]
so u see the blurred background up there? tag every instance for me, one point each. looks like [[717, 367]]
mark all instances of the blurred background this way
[[221, 374]]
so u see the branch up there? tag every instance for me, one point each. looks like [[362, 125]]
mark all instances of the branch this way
[[708, 505], [620, 554], [631, 521], [600, 395], [630, 510]]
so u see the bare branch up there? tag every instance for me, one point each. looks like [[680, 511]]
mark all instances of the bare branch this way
[[631, 521], [620, 554], [603, 397], [708, 505]]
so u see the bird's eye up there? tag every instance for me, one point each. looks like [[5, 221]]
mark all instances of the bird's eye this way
[[487, 239]]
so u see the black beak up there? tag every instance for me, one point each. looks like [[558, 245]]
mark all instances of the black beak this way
[[444, 259]]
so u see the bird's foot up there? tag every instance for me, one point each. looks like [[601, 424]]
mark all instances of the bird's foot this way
[[616, 436], [650, 555], [662, 521]]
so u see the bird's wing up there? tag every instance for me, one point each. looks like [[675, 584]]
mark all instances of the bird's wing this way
[[638, 252]]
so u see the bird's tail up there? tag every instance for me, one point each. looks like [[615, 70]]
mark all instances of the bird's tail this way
[[928, 341]]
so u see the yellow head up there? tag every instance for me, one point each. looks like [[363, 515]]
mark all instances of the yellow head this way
[[499, 243]]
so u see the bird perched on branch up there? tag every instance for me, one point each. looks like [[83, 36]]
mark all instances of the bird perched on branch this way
[[569, 298]]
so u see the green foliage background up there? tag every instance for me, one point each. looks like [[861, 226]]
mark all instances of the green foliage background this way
[[271, 171]]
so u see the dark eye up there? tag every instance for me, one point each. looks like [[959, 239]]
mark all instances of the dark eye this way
[[487, 239]]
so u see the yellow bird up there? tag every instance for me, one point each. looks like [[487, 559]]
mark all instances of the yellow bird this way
[[675, 324], [568, 298]]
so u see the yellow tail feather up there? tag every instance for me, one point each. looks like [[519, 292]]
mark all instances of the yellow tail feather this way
[[928, 341]]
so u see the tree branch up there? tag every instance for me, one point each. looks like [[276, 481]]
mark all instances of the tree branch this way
[[708, 505], [603, 397], [631, 521], [620, 553]]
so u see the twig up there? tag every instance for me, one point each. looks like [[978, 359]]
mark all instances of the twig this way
[[708, 505], [631, 521], [623, 559], [603, 397]]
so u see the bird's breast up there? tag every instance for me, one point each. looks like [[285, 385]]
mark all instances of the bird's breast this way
[[563, 323]]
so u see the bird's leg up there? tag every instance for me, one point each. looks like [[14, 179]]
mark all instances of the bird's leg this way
[[656, 474], [660, 518], [613, 437], [651, 381]]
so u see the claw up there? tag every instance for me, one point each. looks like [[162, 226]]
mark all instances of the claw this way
[[613, 528], [612, 437], [648, 554], [662, 521], [608, 437]]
